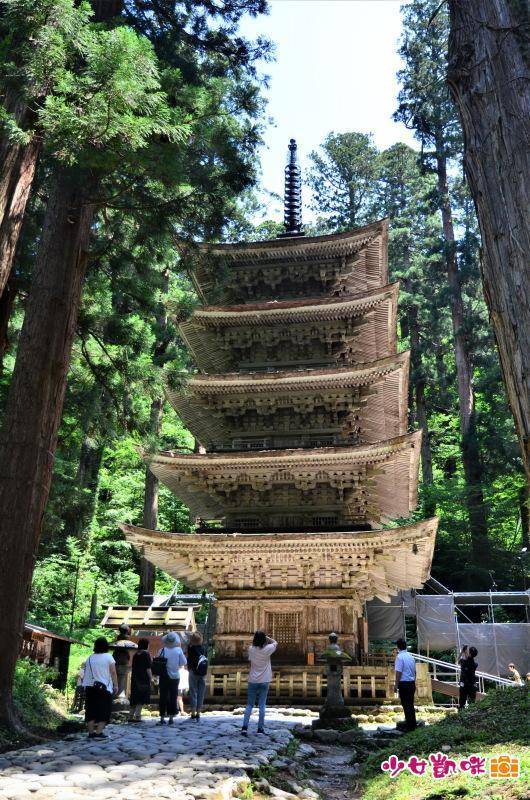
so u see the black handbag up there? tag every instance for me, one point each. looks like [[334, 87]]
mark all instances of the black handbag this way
[[159, 665]]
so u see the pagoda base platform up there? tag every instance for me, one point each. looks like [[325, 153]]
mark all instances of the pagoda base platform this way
[[306, 686]]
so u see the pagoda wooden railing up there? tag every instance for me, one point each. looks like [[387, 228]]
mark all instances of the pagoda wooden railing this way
[[292, 685]]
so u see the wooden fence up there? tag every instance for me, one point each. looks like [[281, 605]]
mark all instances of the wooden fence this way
[[296, 685]]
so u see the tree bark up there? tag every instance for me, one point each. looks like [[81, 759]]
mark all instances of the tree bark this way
[[15, 199], [476, 509], [418, 381], [15, 105], [28, 437], [489, 79], [524, 510], [150, 516], [7, 301]]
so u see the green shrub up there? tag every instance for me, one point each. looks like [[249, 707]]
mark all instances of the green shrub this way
[[32, 692]]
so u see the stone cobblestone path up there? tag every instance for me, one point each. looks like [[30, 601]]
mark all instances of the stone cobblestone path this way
[[186, 761]]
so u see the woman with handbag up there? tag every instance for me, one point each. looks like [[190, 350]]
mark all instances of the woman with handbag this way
[[167, 666], [141, 678], [100, 681], [198, 667]]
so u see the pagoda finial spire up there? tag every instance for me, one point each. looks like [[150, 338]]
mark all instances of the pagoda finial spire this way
[[292, 215]]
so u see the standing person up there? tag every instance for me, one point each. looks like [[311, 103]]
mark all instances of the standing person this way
[[467, 684], [463, 653], [259, 678], [122, 648], [169, 679], [141, 679], [79, 697], [198, 667], [515, 675], [405, 668], [184, 685], [100, 681]]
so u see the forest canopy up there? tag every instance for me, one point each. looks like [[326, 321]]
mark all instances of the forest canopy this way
[[156, 110]]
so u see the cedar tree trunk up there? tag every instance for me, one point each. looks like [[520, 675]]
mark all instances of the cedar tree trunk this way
[[79, 518], [7, 301], [150, 517], [28, 437], [489, 79], [418, 382], [14, 201], [470, 452]]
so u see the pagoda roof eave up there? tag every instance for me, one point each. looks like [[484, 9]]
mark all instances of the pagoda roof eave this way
[[387, 470], [377, 308], [378, 563], [243, 314], [272, 458], [267, 248], [355, 375]]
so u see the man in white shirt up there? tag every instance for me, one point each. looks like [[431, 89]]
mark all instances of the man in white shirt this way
[[405, 668]]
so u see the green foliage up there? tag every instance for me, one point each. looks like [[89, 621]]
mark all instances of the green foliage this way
[[32, 692], [342, 179], [114, 107], [398, 186], [164, 103], [496, 725]]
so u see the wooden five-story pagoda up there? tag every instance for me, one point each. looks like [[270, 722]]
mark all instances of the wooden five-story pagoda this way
[[300, 407]]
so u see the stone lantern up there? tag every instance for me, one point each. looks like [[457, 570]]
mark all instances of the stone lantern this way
[[334, 707]]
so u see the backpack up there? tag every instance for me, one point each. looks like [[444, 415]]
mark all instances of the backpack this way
[[159, 665], [202, 666]]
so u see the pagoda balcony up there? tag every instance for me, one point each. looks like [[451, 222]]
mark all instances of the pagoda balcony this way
[[280, 442], [312, 266], [341, 331]]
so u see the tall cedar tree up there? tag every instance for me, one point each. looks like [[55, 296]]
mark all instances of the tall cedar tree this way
[[150, 510], [426, 107], [342, 177], [40, 43], [137, 114], [489, 78], [402, 194]]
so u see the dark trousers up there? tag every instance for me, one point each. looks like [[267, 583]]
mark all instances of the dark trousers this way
[[468, 693], [167, 701], [407, 690]]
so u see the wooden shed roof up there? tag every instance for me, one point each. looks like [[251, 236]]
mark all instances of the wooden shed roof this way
[[174, 617]]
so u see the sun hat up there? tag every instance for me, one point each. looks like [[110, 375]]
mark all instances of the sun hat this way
[[171, 639]]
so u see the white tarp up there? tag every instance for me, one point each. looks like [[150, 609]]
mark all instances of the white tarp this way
[[385, 620], [498, 644], [436, 622]]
